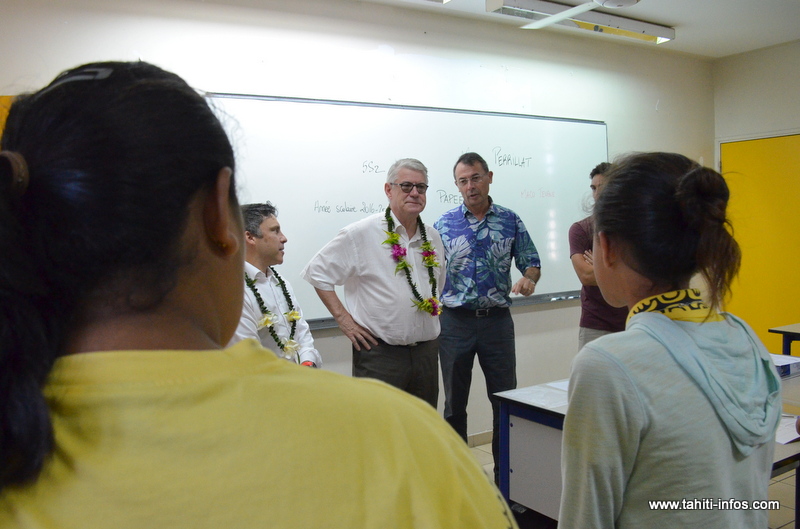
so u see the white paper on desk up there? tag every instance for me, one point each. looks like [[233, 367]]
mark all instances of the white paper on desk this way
[[784, 360], [560, 384], [542, 396], [787, 432]]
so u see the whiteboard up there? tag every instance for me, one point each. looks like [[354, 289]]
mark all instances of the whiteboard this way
[[323, 165]]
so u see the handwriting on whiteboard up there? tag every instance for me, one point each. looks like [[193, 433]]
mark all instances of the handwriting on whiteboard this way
[[537, 193], [370, 166], [502, 159], [445, 197], [348, 207]]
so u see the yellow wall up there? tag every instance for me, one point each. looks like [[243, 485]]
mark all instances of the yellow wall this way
[[5, 103], [764, 179]]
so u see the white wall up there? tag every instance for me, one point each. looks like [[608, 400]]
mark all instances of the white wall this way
[[756, 93], [342, 49]]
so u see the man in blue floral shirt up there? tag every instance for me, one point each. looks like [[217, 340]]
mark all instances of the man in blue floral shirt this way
[[480, 239]]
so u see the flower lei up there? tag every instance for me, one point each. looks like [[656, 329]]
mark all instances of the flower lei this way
[[430, 305], [269, 318]]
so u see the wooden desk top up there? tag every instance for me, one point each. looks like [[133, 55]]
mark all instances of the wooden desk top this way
[[787, 329]]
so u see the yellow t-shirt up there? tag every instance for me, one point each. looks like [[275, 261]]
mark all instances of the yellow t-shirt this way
[[238, 439]]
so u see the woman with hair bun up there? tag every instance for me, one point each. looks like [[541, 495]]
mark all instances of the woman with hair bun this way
[[682, 405], [121, 269]]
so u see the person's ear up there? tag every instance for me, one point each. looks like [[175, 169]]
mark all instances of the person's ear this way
[[387, 188], [220, 217], [249, 238], [609, 250]]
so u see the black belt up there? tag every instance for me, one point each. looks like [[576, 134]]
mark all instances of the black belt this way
[[412, 344], [479, 313]]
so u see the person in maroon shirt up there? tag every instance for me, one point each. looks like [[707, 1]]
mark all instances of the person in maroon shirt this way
[[597, 316]]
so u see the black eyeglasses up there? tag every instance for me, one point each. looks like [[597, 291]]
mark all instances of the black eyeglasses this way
[[475, 179], [407, 186]]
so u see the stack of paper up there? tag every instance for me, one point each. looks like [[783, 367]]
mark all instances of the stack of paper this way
[[788, 366]]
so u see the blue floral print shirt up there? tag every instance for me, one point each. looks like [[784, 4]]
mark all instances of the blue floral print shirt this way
[[478, 255]]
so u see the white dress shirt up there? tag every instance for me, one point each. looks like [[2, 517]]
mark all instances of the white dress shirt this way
[[377, 298], [275, 302]]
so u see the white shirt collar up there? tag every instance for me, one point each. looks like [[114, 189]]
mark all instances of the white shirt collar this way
[[401, 230], [253, 272]]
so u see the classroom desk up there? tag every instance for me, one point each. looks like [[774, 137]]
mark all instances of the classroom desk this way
[[787, 457], [791, 333], [531, 423]]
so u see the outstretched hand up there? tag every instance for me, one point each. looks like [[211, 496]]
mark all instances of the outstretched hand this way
[[524, 286]]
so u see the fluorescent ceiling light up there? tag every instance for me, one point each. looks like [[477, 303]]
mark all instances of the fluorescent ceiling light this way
[[542, 10], [567, 13], [439, 1]]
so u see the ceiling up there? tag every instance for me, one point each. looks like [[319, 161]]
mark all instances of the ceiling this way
[[708, 28]]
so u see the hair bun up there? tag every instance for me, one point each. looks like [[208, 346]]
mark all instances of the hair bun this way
[[702, 196]]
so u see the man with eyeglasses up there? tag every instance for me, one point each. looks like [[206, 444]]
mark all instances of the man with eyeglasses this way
[[480, 239], [392, 267]]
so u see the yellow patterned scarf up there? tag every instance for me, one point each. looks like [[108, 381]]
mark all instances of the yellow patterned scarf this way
[[683, 305]]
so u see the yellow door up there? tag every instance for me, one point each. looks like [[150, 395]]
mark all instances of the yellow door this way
[[5, 103], [764, 179]]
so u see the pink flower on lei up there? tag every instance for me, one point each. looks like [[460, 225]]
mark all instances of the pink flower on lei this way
[[398, 252]]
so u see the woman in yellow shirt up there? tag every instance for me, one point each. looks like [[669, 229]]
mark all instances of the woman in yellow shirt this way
[[120, 281]]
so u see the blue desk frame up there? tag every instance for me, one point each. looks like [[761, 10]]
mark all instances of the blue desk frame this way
[[791, 333]]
